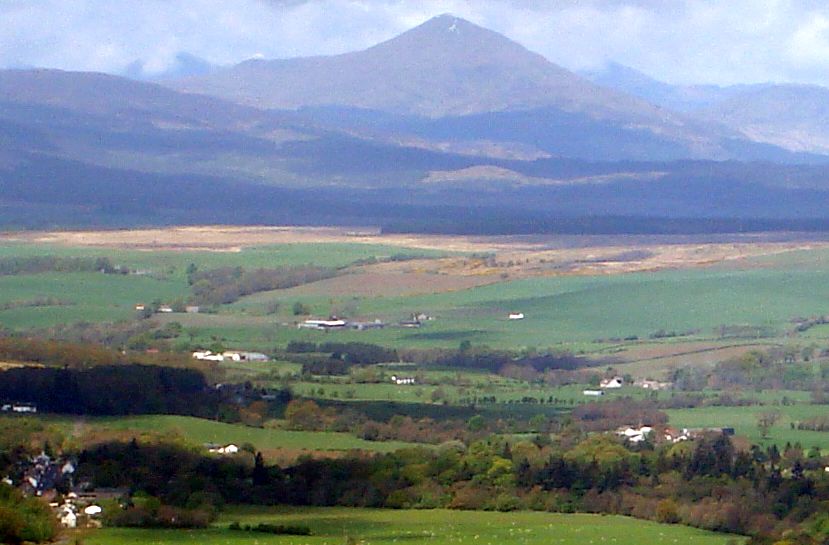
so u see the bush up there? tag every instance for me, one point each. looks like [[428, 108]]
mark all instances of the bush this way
[[277, 529]]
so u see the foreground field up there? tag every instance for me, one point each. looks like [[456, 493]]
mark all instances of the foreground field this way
[[334, 526]]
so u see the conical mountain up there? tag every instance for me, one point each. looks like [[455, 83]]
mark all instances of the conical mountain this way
[[445, 67]]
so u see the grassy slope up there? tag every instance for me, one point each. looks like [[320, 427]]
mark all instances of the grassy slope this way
[[199, 431], [330, 526]]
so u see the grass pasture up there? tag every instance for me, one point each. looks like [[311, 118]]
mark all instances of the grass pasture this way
[[198, 431], [744, 422], [97, 297], [576, 310], [333, 526]]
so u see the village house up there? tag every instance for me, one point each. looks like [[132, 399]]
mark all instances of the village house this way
[[635, 435], [43, 474], [516, 316], [225, 450]]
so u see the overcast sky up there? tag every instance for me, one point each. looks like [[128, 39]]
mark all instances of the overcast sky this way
[[690, 41]]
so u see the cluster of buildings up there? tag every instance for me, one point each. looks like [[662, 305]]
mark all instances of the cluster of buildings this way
[[53, 479], [74, 512], [44, 474], [167, 309], [225, 450], [639, 434], [614, 383], [334, 323], [207, 355]]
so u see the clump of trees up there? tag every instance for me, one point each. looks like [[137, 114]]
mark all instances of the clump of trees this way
[[43, 264], [24, 520], [145, 511], [228, 284]]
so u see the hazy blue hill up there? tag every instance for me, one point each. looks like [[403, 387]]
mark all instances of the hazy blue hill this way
[[680, 98], [793, 117]]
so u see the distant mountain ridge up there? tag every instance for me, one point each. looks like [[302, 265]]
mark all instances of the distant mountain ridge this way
[[794, 117], [450, 69], [465, 131]]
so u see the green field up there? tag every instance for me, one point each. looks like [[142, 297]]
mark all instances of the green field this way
[[573, 311], [98, 297], [744, 422], [333, 526], [199, 431]]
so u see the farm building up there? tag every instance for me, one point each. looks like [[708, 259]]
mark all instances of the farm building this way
[[19, 407], [207, 355], [324, 325], [653, 384], [362, 326], [611, 383], [595, 393], [516, 316]]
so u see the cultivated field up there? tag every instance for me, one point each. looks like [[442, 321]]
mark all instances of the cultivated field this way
[[334, 526]]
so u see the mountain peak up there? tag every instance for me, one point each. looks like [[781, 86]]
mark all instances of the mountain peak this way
[[444, 66], [448, 26]]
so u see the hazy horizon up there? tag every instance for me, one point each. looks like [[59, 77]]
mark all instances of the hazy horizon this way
[[693, 41]]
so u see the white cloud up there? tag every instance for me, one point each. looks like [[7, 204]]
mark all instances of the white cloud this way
[[680, 41]]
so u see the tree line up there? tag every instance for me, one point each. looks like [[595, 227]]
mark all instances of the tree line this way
[[225, 285], [48, 263], [709, 483], [111, 390]]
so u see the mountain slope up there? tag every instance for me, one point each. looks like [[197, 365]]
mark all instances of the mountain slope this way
[[794, 117]]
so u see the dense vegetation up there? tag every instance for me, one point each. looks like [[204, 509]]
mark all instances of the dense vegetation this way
[[111, 390], [24, 519], [42, 264], [709, 484], [228, 284]]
